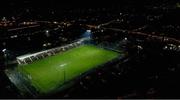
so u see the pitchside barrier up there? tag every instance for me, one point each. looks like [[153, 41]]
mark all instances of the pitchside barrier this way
[[112, 46], [21, 82]]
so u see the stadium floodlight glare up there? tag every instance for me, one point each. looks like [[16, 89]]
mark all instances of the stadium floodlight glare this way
[[88, 31], [4, 50]]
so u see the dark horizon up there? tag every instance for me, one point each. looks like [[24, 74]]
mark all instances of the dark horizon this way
[[9, 8]]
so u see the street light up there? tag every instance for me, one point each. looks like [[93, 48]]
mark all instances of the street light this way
[[47, 31]]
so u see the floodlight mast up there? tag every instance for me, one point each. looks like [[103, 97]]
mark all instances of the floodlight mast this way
[[5, 56]]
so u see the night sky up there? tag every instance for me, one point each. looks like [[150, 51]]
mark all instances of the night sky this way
[[10, 8], [15, 7]]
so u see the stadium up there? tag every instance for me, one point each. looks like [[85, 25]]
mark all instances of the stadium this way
[[122, 49], [50, 71]]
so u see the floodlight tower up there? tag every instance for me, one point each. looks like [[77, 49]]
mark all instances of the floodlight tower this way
[[5, 55], [87, 34]]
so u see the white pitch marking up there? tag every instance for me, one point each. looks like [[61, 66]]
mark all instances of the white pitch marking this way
[[63, 65]]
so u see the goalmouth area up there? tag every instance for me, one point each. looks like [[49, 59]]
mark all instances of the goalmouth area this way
[[49, 74]]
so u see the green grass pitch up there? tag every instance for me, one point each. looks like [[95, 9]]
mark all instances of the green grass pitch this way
[[47, 75]]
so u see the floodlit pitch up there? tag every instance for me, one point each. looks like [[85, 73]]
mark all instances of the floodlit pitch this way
[[50, 73]]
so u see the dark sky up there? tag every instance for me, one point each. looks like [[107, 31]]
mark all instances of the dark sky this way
[[7, 4], [55, 2], [10, 7]]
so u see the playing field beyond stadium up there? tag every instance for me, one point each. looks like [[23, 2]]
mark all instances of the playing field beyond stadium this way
[[47, 75]]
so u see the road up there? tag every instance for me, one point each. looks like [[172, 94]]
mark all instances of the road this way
[[136, 32]]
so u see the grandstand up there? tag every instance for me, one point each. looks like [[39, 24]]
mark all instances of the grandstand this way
[[29, 58], [52, 70]]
